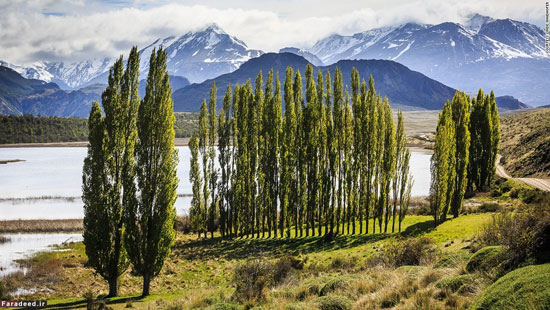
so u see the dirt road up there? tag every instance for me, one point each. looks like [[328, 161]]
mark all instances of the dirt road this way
[[543, 184]]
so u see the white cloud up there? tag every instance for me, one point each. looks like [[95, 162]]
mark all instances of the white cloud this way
[[97, 28]]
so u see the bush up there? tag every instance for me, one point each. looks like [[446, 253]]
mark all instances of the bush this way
[[524, 288], [454, 283], [334, 303], [252, 280], [412, 251], [485, 259], [284, 266], [183, 224], [525, 235], [489, 207]]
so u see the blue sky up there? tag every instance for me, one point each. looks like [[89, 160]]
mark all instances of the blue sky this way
[[70, 30]]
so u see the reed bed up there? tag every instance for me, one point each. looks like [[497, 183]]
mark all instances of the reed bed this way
[[40, 226]]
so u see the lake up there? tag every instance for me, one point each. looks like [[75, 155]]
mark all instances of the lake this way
[[47, 184]]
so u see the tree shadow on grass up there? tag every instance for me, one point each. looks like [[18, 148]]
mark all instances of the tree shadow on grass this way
[[241, 248], [82, 303]]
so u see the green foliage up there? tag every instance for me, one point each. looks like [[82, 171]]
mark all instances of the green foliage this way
[[40, 129], [461, 119], [485, 138], [149, 218], [524, 288], [109, 171], [443, 165], [485, 259], [525, 235], [334, 303], [330, 162]]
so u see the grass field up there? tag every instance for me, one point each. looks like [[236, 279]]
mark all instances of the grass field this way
[[197, 268]]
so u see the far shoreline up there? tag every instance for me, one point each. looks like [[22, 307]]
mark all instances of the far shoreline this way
[[177, 142]]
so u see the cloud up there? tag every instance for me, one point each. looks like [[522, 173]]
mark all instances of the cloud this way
[[97, 28]]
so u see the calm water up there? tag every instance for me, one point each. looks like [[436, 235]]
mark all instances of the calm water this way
[[23, 245], [57, 173]]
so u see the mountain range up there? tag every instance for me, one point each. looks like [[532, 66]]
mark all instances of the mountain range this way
[[196, 55], [405, 89], [504, 55]]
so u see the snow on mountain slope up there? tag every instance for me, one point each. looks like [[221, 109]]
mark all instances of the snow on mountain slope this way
[[197, 55]]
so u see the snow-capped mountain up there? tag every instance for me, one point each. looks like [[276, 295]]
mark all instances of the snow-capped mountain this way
[[66, 75], [201, 55], [497, 54], [197, 55]]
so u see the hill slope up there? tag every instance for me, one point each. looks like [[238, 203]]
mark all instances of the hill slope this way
[[404, 88], [525, 143]]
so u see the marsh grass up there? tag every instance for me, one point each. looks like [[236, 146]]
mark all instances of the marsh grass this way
[[40, 226]]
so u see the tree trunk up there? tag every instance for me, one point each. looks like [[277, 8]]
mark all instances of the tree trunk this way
[[113, 292], [146, 285]]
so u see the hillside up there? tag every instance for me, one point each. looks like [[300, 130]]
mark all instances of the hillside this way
[[401, 85], [405, 88], [525, 143], [41, 129]]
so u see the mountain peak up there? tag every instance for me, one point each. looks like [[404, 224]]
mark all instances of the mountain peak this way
[[476, 21], [213, 27]]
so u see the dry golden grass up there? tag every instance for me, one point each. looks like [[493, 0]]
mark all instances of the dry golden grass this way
[[525, 143], [35, 226]]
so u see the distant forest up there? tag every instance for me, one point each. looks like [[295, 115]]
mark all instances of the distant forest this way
[[44, 129]]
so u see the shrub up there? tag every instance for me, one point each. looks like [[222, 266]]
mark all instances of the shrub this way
[[251, 280], [183, 224], [485, 259], [454, 283], [334, 303], [489, 207], [525, 235], [412, 251], [524, 288], [284, 266], [344, 262]]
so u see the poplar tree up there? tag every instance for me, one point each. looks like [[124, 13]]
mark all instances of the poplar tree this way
[[110, 190], [443, 166], [495, 136], [341, 149], [225, 158], [388, 161], [288, 196], [211, 142], [203, 151], [150, 222], [370, 148], [461, 119], [401, 154], [197, 202], [301, 153], [311, 132]]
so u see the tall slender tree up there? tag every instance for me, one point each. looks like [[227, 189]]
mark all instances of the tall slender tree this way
[[149, 222], [443, 166], [225, 158], [116, 188], [211, 142], [197, 202], [461, 119]]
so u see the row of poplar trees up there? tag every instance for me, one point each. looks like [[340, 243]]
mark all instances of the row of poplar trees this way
[[465, 151], [331, 162], [129, 174]]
